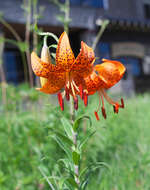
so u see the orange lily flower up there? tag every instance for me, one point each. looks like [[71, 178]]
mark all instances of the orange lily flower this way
[[67, 68], [103, 77]]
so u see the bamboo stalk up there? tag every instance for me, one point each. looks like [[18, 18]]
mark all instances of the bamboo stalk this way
[[2, 73], [27, 4]]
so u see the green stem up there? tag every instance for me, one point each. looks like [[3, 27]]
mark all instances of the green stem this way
[[27, 4], [102, 29], [74, 135], [48, 34], [11, 29], [24, 66], [17, 37], [67, 16]]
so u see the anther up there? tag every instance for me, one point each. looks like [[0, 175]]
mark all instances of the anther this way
[[122, 103], [96, 115], [76, 103], [61, 101], [85, 98], [67, 93], [81, 92], [103, 112], [116, 108]]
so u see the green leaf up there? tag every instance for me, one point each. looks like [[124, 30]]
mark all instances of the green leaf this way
[[72, 182], [23, 46], [94, 166], [77, 122], [68, 165], [46, 178], [63, 137], [67, 127], [60, 18], [53, 55], [75, 157], [84, 140], [63, 146]]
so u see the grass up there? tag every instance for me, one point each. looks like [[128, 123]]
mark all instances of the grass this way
[[122, 142]]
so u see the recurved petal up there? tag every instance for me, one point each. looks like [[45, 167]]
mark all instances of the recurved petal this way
[[64, 55], [83, 64], [40, 68], [53, 84], [93, 83], [110, 72]]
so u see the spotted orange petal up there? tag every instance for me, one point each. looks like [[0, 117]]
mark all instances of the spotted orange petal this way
[[64, 55], [93, 83], [53, 84], [110, 72], [40, 68], [83, 64]]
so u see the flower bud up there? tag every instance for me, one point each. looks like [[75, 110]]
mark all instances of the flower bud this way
[[45, 57]]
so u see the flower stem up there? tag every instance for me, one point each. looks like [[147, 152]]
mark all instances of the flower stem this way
[[74, 134], [102, 29]]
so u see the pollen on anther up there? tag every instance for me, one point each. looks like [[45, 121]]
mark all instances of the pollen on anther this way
[[96, 115], [103, 112], [81, 92], [122, 103], [76, 103], [61, 101], [116, 108], [85, 96]]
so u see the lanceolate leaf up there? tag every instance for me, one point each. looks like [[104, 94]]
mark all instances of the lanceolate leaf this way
[[63, 146], [67, 127], [46, 178], [84, 140], [77, 122], [68, 165], [72, 182], [64, 138], [93, 167]]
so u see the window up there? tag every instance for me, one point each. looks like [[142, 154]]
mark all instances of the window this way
[[147, 11], [13, 66], [73, 2], [104, 50], [93, 3], [89, 3], [133, 65]]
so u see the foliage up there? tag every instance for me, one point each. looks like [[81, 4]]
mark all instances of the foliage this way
[[122, 141]]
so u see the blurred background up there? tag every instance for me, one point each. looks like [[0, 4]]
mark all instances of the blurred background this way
[[26, 115]]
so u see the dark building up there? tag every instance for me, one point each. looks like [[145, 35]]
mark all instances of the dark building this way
[[126, 37]]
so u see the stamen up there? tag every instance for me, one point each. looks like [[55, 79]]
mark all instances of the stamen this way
[[109, 100], [96, 115], [103, 112], [67, 93], [76, 103], [103, 107], [116, 108], [76, 87], [73, 92], [85, 98], [81, 91], [61, 101], [68, 84], [116, 105], [122, 103]]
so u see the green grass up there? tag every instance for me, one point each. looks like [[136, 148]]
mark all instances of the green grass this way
[[122, 141]]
